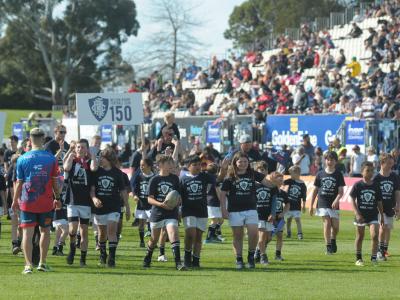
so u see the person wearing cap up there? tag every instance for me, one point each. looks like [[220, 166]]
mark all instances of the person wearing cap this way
[[246, 146], [356, 160], [37, 173]]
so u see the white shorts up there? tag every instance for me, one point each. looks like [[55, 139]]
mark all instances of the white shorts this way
[[142, 214], [387, 221], [293, 214], [265, 226], [214, 212], [375, 222], [106, 218], [242, 218], [164, 223], [80, 211], [327, 212], [195, 222], [61, 222]]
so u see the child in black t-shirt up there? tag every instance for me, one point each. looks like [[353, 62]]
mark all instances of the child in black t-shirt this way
[[107, 189], [266, 208], [162, 215], [193, 189], [282, 207], [328, 185], [366, 199], [297, 194]]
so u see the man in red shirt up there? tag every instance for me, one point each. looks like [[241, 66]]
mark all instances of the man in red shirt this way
[[37, 172]]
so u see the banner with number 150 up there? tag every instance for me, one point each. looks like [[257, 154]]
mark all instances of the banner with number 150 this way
[[118, 109]]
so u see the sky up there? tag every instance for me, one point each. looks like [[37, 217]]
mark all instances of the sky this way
[[213, 13]]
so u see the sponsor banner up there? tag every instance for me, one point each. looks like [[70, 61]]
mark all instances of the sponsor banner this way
[[106, 133], [213, 132], [18, 130], [289, 129], [109, 109], [345, 202], [355, 132]]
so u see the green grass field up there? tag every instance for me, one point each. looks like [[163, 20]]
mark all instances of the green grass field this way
[[306, 273], [15, 115]]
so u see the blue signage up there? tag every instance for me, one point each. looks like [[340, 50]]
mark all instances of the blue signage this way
[[355, 132], [213, 132], [289, 129], [106, 133], [18, 130]]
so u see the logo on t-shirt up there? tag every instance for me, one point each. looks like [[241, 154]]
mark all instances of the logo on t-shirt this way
[[105, 183], [262, 195], [366, 197], [387, 187], [194, 187], [164, 189], [243, 185]]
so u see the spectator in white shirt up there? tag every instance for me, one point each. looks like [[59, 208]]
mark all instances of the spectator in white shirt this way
[[356, 160], [301, 159]]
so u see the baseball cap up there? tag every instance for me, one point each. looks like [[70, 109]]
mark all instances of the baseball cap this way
[[36, 132], [245, 138]]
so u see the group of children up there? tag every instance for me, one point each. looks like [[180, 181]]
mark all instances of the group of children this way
[[254, 203]]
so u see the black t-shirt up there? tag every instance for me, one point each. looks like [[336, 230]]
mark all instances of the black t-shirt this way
[[141, 190], [53, 147], [193, 190], [127, 185], [212, 196], [266, 198], [136, 158], [281, 201], [159, 187], [297, 192], [242, 191], [367, 197], [79, 179], [328, 187], [389, 185], [108, 186], [153, 153], [7, 155]]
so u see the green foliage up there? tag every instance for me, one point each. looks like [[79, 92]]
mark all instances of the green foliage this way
[[306, 273], [49, 55], [253, 20]]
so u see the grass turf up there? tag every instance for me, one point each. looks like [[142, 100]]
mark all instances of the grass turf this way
[[306, 273], [15, 115]]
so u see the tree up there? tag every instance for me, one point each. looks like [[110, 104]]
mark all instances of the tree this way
[[75, 43], [254, 20], [174, 44]]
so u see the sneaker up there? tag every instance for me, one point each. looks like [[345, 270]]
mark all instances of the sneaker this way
[[70, 258], [147, 234], [162, 258], [239, 265], [27, 270], [146, 263], [257, 258], [288, 234], [334, 248], [374, 262], [195, 265], [82, 264], [59, 252], [43, 268], [181, 267], [264, 260], [97, 247], [300, 236], [381, 257], [16, 250], [111, 263], [142, 245], [328, 252], [279, 258], [360, 263], [251, 265], [54, 250]]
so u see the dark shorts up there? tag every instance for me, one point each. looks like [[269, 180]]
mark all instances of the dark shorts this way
[[29, 219]]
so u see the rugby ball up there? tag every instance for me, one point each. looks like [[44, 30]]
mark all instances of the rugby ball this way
[[172, 199]]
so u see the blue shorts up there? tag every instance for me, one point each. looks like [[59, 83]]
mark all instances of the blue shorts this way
[[29, 219]]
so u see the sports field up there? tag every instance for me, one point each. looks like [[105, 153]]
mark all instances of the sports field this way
[[306, 273]]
